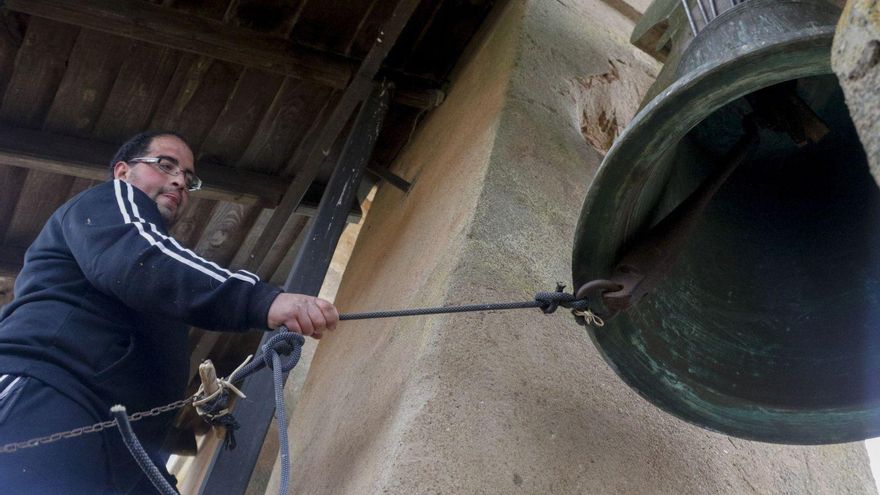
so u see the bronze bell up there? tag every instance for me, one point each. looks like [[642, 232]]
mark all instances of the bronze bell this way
[[739, 226]]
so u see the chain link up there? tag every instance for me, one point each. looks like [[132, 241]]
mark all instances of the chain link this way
[[35, 442]]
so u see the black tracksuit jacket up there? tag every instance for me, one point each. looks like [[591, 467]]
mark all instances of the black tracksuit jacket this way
[[103, 302]]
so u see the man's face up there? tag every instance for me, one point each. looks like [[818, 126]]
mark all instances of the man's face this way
[[168, 191]]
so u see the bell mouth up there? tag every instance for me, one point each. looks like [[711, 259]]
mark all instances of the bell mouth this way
[[766, 325]]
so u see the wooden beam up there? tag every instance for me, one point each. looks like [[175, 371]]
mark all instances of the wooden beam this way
[[354, 94], [156, 24], [152, 23], [89, 159]]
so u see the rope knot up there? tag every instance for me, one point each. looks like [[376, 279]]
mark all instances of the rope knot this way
[[551, 301], [211, 401], [284, 343]]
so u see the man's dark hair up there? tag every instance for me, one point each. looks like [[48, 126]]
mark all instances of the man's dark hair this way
[[137, 146]]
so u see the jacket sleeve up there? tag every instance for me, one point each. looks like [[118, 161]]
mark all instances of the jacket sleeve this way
[[118, 239]]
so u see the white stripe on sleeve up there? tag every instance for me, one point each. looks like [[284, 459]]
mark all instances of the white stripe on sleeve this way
[[140, 228], [173, 241]]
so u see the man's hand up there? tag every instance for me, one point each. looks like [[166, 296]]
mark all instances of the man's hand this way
[[303, 314]]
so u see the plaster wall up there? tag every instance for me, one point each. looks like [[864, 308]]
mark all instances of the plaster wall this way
[[514, 401]]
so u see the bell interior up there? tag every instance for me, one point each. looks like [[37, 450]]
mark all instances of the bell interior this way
[[774, 301]]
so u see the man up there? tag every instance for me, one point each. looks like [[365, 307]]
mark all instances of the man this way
[[99, 318]]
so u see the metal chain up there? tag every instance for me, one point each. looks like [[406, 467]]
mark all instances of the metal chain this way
[[35, 442]]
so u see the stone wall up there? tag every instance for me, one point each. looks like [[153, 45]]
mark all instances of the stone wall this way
[[509, 402], [856, 61]]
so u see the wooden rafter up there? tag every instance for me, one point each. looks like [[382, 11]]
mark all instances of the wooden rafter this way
[[89, 159]]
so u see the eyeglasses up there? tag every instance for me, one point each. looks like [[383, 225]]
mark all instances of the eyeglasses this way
[[170, 167]]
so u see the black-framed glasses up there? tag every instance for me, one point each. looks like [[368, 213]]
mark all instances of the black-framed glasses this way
[[171, 167]]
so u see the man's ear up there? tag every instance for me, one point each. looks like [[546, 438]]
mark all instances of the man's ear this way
[[120, 170]]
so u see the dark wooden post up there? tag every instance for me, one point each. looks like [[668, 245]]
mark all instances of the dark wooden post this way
[[231, 470]]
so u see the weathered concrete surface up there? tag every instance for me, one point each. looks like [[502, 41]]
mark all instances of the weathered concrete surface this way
[[855, 58], [508, 402]]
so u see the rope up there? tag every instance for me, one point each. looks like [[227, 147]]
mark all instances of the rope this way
[[137, 451], [277, 378]]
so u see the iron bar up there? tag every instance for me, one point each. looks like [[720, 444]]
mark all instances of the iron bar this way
[[231, 470], [713, 9], [389, 177]]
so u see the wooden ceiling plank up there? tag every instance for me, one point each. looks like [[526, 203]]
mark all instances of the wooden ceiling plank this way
[[39, 68], [187, 77], [76, 105], [207, 102], [11, 261], [226, 231], [287, 240], [365, 18], [270, 17], [234, 128], [458, 21], [305, 144], [6, 286], [229, 14], [284, 125], [137, 91], [79, 185], [11, 183], [426, 26], [156, 24], [360, 87], [329, 24], [294, 20], [278, 263], [211, 9], [38, 199], [10, 40], [92, 67]]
